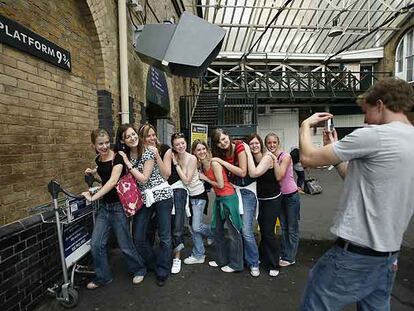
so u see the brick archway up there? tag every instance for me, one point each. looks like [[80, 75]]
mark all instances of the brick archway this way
[[104, 20]]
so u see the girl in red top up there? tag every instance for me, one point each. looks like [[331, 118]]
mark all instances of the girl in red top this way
[[225, 209], [231, 155]]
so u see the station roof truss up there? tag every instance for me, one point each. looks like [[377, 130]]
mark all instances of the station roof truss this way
[[300, 28]]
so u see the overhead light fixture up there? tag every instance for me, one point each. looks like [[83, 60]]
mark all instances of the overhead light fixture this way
[[335, 30], [166, 45]]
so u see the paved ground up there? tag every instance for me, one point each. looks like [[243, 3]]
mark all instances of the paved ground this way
[[200, 287]]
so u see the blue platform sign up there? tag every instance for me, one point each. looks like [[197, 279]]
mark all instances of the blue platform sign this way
[[23, 39], [76, 242], [76, 239]]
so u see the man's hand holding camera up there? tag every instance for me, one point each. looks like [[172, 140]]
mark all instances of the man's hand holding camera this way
[[329, 132], [317, 118]]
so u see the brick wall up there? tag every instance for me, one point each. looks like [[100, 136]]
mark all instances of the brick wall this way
[[29, 263], [46, 113], [388, 62], [106, 121]]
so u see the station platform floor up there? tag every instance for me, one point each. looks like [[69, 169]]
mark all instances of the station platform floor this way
[[200, 287]]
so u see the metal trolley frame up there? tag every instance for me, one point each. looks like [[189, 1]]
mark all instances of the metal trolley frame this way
[[65, 217]]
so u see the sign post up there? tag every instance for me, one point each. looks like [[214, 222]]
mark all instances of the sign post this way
[[198, 131]]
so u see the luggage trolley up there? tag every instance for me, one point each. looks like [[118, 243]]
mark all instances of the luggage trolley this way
[[74, 241]]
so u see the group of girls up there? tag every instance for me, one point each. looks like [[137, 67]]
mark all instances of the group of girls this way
[[267, 177], [171, 181]]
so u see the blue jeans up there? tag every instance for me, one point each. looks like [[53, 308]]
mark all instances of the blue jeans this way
[[269, 211], [111, 216], [289, 221], [340, 278], [251, 252], [198, 228], [178, 220], [162, 262], [233, 256]]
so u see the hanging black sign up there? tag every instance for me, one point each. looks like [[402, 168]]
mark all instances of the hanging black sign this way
[[19, 37], [157, 89]]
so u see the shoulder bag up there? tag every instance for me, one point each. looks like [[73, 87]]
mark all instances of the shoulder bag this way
[[312, 186], [129, 194]]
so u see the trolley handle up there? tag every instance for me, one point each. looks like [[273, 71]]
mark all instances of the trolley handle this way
[[90, 180], [54, 188]]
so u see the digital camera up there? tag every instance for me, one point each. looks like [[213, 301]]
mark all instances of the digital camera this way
[[329, 125]]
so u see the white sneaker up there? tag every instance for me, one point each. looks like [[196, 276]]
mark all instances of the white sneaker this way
[[274, 272], [210, 241], [227, 269], [176, 266], [137, 279], [193, 260], [213, 264], [285, 263], [254, 271]]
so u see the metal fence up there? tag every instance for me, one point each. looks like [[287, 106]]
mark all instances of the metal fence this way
[[272, 81]]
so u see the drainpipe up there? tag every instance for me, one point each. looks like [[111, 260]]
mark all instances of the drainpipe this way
[[123, 60], [220, 99]]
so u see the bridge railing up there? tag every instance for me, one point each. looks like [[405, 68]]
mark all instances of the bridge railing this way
[[291, 81], [237, 110]]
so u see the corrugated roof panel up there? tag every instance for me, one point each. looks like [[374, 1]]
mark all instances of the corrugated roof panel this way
[[375, 19], [303, 26], [322, 18], [281, 20], [240, 17], [238, 43]]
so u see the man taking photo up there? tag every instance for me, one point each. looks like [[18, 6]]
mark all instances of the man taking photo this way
[[375, 208]]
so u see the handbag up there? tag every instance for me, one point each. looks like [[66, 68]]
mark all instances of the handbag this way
[[129, 194], [312, 186]]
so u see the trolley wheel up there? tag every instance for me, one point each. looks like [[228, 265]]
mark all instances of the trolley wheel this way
[[73, 298]]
